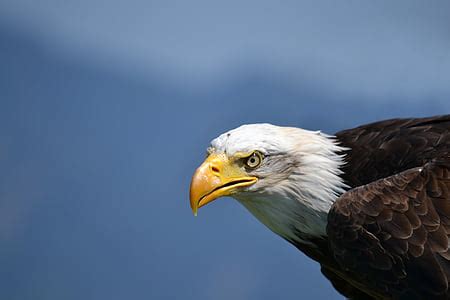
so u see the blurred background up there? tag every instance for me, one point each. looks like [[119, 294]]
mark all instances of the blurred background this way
[[107, 107]]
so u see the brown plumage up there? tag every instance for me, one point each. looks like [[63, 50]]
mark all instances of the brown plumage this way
[[388, 236]]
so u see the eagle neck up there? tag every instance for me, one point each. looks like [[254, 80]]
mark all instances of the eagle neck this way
[[297, 208]]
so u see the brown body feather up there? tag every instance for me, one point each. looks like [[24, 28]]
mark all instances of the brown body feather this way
[[388, 236]]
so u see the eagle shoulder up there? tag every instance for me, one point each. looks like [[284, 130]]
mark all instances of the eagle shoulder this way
[[385, 148]]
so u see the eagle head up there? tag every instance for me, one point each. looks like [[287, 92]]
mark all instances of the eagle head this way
[[287, 177]]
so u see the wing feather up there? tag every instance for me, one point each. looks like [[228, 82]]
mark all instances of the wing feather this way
[[393, 234]]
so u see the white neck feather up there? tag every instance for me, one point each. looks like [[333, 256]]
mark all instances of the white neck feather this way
[[297, 207]]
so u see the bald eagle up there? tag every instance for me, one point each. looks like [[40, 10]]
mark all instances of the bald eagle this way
[[370, 204]]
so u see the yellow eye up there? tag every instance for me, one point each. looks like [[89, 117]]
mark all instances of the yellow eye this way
[[254, 160]]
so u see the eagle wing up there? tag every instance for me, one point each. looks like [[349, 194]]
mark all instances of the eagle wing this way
[[392, 235]]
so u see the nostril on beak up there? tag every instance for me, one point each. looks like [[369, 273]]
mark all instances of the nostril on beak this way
[[215, 169]]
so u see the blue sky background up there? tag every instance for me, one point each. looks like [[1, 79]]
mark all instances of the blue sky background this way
[[107, 108]]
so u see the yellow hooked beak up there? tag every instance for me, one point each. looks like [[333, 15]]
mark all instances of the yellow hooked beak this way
[[216, 177]]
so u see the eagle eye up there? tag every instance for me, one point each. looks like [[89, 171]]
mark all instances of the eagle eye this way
[[254, 160]]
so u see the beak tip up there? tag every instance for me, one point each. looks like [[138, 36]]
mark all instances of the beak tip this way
[[194, 210]]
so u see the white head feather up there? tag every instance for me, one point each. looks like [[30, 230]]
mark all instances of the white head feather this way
[[298, 179]]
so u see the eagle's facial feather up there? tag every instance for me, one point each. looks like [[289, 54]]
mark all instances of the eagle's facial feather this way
[[297, 179]]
